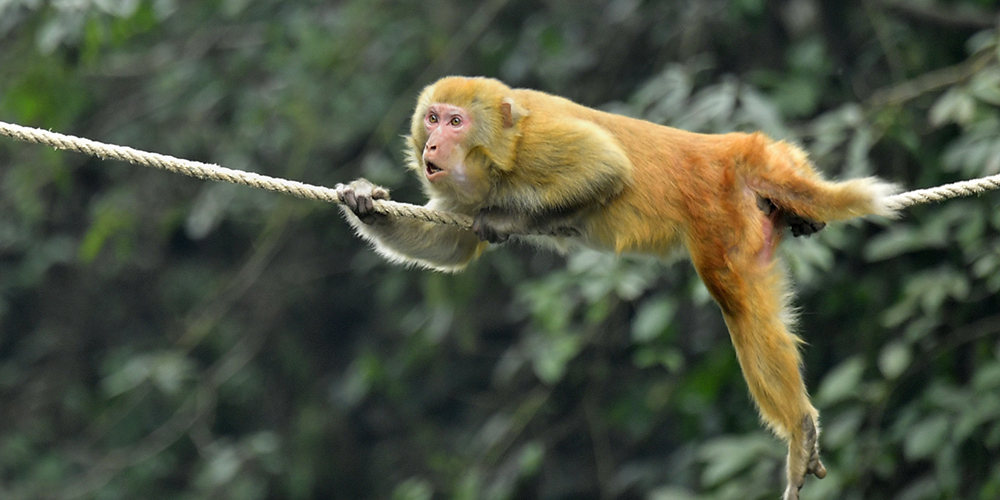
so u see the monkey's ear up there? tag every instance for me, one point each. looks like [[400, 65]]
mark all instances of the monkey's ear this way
[[511, 112]]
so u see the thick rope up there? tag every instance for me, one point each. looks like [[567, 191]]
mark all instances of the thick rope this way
[[941, 193], [217, 173], [390, 208]]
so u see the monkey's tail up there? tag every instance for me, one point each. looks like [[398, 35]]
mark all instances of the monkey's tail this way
[[785, 177]]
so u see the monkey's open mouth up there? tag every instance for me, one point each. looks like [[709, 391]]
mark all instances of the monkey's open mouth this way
[[432, 169]]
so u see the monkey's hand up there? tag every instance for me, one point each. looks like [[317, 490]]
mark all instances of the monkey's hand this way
[[495, 226], [358, 196]]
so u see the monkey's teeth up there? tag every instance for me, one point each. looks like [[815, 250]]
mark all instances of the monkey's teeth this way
[[432, 168]]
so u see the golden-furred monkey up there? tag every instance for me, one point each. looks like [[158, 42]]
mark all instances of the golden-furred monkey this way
[[525, 162]]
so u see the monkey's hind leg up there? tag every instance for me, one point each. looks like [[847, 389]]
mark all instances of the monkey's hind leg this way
[[753, 296]]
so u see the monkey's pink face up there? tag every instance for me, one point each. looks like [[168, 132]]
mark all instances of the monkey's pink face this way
[[444, 154]]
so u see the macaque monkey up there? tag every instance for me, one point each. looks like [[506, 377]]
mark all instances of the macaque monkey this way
[[525, 162]]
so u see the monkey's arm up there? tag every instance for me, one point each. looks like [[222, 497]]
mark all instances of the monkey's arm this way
[[404, 240]]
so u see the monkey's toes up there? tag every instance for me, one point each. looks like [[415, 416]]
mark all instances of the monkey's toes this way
[[816, 467], [801, 226], [347, 197]]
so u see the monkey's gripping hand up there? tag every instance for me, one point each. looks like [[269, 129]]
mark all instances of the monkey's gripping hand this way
[[494, 225], [497, 225], [358, 197], [405, 240]]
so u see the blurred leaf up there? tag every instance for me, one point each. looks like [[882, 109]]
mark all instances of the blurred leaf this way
[[761, 112], [727, 456], [222, 467], [136, 371], [671, 493], [108, 224], [923, 488], [714, 104], [894, 359], [797, 96], [830, 130], [925, 293], [550, 354], [413, 489], [664, 97], [976, 152], [934, 232], [954, 106], [987, 377], [926, 437], [120, 8], [985, 85], [841, 383], [653, 318], [842, 429], [986, 408], [170, 370]]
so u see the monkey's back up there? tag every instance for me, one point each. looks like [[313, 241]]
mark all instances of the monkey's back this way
[[677, 178]]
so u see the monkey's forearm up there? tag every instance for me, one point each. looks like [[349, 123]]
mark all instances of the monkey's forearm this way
[[424, 244]]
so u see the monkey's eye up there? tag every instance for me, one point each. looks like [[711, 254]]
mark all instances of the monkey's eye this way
[[432, 118], [455, 121]]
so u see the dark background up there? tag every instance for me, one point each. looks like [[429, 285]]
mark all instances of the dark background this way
[[163, 337]]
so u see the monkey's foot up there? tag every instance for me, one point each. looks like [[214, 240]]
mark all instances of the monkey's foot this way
[[810, 454], [800, 226]]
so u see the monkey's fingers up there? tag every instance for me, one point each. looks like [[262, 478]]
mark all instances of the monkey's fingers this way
[[358, 199], [487, 232], [365, 204], [802, 226], [347, 197]]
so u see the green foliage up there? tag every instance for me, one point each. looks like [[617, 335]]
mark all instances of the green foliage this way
[[163, 337]]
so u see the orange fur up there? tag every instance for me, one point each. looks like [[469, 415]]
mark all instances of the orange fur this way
[[627, 185]]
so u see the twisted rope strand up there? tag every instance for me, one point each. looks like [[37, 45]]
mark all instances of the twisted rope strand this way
[[944, 192], [214, 172], [391, 208]]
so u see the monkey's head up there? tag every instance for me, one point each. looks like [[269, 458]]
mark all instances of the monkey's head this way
[[463, 133]]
